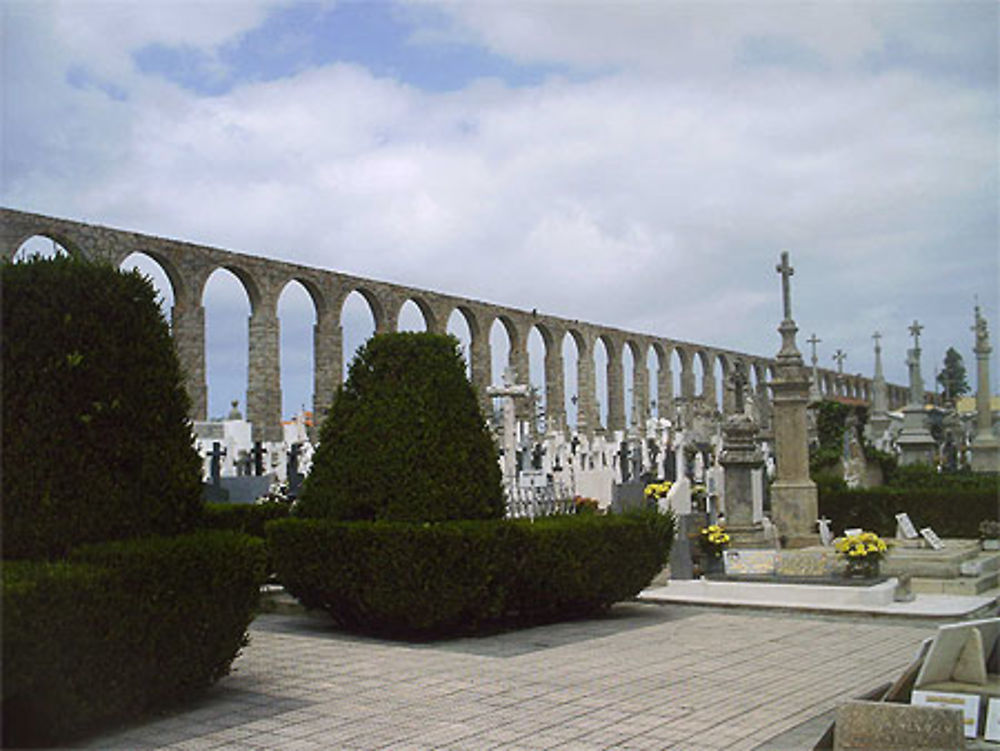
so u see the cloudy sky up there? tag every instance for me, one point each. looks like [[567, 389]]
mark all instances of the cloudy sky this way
[[638, 164]]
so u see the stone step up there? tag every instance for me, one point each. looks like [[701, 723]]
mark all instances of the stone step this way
[[984, 563], [966, 585]]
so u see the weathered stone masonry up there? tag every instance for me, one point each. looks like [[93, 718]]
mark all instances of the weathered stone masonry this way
[[188, 267]]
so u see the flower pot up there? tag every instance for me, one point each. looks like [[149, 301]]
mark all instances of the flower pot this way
[[712, 564], [862, 568], [990, 543]]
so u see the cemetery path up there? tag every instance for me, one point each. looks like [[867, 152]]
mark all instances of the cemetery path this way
[[643, 677]]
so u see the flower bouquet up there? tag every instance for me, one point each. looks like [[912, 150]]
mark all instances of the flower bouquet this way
[[714, 540], [655, 491], [863, 553]]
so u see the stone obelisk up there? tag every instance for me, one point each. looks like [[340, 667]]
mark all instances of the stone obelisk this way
[[915, 442], [879, 421], [985, 446], [793, 494]]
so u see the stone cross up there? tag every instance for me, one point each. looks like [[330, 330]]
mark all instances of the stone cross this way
[[786, 272], [814, 340], [257, 452], [510, 391], [839, 356], [876, 336], [915, 329], [214, 465]]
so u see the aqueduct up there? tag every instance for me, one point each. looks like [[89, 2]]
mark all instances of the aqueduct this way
[[188, 267]]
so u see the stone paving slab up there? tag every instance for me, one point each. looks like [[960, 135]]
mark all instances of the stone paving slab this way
[[817, 598], [644, 676]]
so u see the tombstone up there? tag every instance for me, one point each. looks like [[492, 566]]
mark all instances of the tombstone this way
[[932, 539], [292, 470], [213, 492], [215, 462], [623, 461], [669, 464], [904, 527], [825, 535], [257, 455], [681, 565]]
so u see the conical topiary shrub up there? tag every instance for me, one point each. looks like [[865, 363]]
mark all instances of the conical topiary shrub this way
[[96, 438], [405, 439]]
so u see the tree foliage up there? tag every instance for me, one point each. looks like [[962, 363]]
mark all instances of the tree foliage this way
[[96, 439], [405, 439], [952, 376]]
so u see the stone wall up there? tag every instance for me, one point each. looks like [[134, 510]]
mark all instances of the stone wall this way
[[188, 267]]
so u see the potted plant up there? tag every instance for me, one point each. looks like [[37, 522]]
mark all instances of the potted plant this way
[[656, 491], [863, 552], [989, 534], [713, 542]]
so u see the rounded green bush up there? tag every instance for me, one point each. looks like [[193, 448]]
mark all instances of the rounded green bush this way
[[96, 439], [405, 439]]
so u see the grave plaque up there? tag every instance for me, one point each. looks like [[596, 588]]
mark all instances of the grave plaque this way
[[750, 562], [932, 539], [967, 704], [904, 527], [991, 731]]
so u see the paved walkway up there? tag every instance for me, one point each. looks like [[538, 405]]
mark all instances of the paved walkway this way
[[646, 676]]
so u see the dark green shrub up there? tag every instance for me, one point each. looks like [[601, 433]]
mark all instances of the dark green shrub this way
[[405, 439], [429, 580], [121, 628], [96, 439], [950, 512], [569, 566], [249, 518]]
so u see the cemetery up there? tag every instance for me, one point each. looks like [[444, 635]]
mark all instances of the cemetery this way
[[428, 506]]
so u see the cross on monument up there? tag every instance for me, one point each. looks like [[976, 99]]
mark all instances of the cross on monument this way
[[509, 390], [814, 340], [839, 356], [786, 272], [915, 329], [876, 336]]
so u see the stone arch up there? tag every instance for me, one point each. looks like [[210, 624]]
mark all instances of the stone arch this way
[[296, 312], [724, 400], [636, 407], [706, 390], [13, 252], [662, 388], [427, 313], [222, 296], [151, 268], [569, 343], [358, 313]]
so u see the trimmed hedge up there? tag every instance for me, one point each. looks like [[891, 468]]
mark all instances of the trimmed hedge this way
[[249, 518], [96, 439], [954, 512], [121, 628], [425, 581], [405, 439]]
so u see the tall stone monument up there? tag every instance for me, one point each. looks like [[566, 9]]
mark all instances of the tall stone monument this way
[[740, 457], [879, 421], [985, 446], [815, 395], [793, 494], [915, 442]]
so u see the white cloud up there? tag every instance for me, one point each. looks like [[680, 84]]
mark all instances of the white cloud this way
[[651, 197]]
